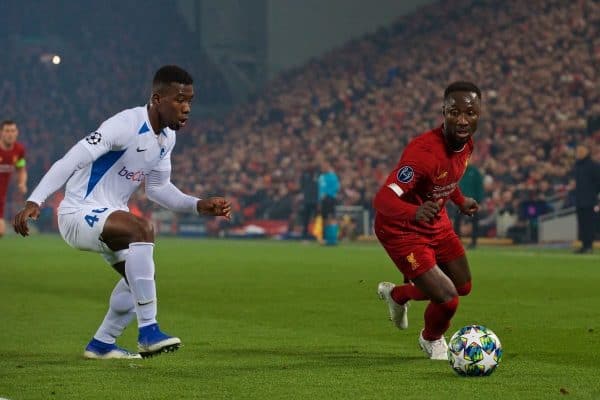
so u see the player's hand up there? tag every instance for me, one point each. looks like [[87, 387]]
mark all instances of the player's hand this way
[[469, 207], [31, 210], [22, 188], [428, 210], [215, 206]]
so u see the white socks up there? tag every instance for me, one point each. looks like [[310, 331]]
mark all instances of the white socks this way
[[120, 313], [139, 269]]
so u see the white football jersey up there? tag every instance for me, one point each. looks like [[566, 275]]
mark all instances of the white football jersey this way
[[125, 150]]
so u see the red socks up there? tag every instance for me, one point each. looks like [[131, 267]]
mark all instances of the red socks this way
[[404, 293], [464, 289], [437, 315], [437, 318]]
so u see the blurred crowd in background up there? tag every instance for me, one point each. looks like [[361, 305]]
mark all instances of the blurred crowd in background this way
[[355, 107]]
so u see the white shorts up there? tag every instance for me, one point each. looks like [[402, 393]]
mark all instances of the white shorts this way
[[82, 228]]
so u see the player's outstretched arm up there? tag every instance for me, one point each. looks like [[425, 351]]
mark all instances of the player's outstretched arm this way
[[160, 190], [54, 179]]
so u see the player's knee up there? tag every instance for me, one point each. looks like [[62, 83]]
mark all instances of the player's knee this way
[[464, 289], [143, 232], [449, 306], [445, 295]]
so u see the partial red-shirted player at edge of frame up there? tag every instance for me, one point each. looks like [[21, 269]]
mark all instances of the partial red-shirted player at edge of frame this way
[[412, 224], [12, 159]]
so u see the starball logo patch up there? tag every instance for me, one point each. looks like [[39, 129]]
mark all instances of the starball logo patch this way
[[94, 138]]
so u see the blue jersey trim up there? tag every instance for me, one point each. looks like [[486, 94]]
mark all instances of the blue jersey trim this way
[[144, 129], [100, 166]]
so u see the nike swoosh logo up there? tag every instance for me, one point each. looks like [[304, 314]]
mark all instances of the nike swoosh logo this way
[[143, 303], [140, 150]]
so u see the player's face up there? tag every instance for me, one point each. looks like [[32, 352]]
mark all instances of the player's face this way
[[461, 115], [175, 105], [9, 134]]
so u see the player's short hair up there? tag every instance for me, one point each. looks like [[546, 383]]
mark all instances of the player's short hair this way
[[7, 122], [462, 86], [171, 74]]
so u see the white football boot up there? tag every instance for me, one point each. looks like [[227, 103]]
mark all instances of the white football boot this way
[[398, 312], [435, 349]]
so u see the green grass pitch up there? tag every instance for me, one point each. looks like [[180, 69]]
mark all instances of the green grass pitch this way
[[271, 320]]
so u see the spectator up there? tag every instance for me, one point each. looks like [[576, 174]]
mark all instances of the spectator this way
[[309, 185], [329, 186], [587, 186], [471, 185]]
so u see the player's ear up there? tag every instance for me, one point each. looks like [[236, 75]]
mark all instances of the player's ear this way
[[155, 98]]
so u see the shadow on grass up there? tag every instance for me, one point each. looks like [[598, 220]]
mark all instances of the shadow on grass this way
[[293, 359]]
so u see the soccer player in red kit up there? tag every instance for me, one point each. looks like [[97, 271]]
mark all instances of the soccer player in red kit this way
[[412, 224], [12, 156]]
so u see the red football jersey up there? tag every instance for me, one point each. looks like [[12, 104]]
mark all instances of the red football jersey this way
[[9, 159], [427, 170]]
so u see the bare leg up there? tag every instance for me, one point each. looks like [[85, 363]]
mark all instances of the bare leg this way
[[458, 271]]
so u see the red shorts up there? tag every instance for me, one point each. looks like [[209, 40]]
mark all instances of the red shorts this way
[[414, 253]]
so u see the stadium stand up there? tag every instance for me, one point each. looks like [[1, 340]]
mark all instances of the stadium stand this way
[[357, 105]]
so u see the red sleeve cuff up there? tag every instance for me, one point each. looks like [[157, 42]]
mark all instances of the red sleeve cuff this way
[[457, 197]]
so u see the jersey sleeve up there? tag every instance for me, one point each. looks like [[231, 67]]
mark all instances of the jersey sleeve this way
[[414, 166], [110, 136], [20, 163], [457, 197]]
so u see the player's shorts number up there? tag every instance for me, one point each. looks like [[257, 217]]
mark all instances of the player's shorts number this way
[[92, 219]]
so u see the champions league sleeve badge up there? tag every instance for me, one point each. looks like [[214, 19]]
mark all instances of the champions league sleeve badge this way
[[405, 174], [94, 138]]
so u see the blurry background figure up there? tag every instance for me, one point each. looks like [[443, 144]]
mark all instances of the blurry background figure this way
[[530, 208], [471, 185], [12, 158], [329, 186], [348, 227], [587, 186], [506, 216], [309, 185]]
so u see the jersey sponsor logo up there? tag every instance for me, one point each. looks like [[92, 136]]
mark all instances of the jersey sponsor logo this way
[[136, 176], [94, 138], [439, 192], [405, 174], [414, 264]]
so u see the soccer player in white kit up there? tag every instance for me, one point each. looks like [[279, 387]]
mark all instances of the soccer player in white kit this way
[[101, 172]]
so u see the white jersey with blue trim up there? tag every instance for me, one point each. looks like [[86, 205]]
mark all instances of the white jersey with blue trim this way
[[125, 149]]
